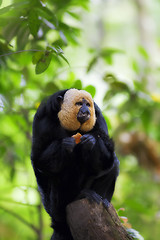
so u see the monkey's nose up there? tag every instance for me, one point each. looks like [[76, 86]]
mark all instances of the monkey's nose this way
[[83, 117]]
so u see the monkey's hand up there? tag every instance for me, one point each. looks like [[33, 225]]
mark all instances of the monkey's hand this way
[[88, 141], [68, 144]]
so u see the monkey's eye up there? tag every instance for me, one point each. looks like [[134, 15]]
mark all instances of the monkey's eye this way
[[88, 105], [79, 103]]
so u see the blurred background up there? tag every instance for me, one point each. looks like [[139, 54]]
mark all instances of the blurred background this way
[[110, 48]]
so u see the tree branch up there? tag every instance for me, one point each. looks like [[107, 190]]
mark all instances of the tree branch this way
[[35, 229], [92, 221]]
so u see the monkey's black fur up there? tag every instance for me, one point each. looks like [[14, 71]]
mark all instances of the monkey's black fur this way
[[63, 169]]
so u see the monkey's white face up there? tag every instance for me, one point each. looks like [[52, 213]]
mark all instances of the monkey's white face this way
[[72, 103]]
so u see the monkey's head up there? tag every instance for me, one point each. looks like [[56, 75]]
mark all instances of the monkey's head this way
[[77, 111]]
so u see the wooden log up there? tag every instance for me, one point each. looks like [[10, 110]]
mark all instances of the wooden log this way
[[90, 221]]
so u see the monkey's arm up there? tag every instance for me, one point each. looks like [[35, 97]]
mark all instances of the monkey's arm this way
[[55, 156]]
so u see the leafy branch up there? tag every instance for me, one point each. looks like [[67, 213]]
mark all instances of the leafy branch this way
[[30, 225]]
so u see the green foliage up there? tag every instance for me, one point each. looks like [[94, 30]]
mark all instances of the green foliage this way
[[91, 89], [40, 45], [33, 22], [136, 102], [106, 54], [27, 23], [43, 63], [138, 193]]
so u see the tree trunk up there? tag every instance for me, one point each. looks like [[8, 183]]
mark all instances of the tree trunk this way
[[90, 221]]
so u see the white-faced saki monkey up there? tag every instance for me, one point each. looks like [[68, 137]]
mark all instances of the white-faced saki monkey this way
[[72, 155]]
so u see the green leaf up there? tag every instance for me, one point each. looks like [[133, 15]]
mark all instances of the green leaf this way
[[74, 15], [64, 58], [135, 66], [11, 29], [22, 37], [43, 63], [92, 63], [5, 9], [107, 53], [146, 118], [110, 51], [139, 86], [109, 60], [109, 94], [48, 15], [37, 57], [53, 49], [91, 89], [50, 88], [59, 52], [116, 87], [119, 86], [12, 6], [109, 78], [77, 84], [68, 33], [33, 22], [1, 2], [143, 52]]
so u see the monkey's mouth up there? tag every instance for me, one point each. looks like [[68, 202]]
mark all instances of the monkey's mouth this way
[[83, 117]]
